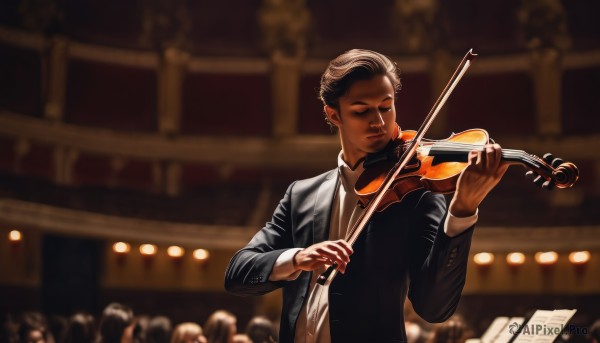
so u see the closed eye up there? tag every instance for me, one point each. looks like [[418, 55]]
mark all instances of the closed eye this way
[[381, 109]]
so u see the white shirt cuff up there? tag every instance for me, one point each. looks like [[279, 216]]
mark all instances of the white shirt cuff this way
[[283, 269], [454, 226]]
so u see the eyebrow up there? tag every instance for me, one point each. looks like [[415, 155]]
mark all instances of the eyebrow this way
[[364, 103]]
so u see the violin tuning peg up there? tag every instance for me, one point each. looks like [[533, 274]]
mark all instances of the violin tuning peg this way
[[530, 175], [557, 162], [548, 157], [539, 180], [548, 185]]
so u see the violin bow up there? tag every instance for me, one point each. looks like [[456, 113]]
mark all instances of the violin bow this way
[[328, 275]]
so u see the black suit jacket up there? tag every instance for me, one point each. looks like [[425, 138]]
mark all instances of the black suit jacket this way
[[403, 250]]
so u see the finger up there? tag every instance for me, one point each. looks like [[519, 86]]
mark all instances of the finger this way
[[315, 261], [341, 249], [498, 156], [342, 268], [346, 246], [330, 254], [482, 157], [325, 252], [473, 157], [320, 258], [489, 157], [339, 252]]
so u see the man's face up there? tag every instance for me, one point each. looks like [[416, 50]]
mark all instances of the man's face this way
[[367, 116]]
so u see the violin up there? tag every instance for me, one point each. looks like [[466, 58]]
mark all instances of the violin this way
[[437, 165], [411, 162]]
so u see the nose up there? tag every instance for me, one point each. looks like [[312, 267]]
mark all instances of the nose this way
[[377, 120]]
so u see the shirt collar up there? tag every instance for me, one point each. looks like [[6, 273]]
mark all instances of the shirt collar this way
[[347, 175]]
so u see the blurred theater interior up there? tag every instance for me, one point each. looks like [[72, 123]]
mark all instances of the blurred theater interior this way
[[143, 142]]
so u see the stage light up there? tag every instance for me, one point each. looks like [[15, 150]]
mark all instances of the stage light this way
[[175, 251], [121, 247], [579, 257], [546, 258], [201, 254], [515, 259], [148, 249], [483, 258], [15, 236]]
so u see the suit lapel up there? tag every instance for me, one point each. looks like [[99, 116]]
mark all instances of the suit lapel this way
[[323, 203]]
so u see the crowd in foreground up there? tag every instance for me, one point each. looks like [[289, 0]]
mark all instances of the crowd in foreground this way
[[117, 324]]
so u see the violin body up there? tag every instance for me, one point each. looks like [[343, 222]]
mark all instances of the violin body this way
[[437, 164]]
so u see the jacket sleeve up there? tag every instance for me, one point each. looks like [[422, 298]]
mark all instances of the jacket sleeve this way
[[438, 263], [249, 269]]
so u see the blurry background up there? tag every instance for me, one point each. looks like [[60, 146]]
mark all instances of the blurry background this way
[[181, 123]]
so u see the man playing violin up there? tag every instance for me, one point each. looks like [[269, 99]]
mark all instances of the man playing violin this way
[[416, 248]]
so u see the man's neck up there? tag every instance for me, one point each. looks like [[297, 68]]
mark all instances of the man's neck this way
[[353, 160], [350, 155]]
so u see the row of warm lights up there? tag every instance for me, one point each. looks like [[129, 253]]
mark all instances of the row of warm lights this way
[[124, 248], [542, 258], [151, 249], [482, 258]]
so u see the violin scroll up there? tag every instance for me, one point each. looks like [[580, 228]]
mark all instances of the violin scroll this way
[[557, 173]]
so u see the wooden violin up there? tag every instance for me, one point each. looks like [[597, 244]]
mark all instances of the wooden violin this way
[[438, 163]]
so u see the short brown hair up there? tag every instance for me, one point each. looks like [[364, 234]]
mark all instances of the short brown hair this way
[[217, 328], [353, 65]]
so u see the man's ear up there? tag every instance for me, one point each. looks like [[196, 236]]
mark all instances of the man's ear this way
[[333, 115]]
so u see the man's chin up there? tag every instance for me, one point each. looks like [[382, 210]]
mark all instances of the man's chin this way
[[376, 146]]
